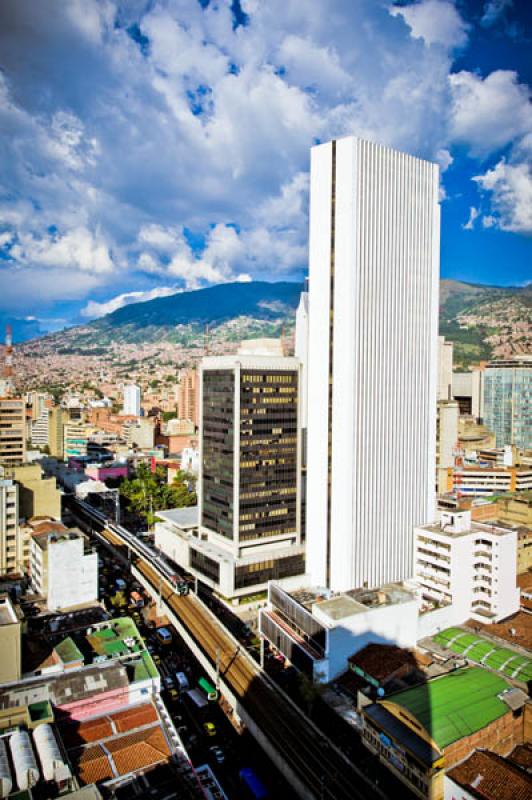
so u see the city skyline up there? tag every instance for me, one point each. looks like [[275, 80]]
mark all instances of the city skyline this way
[[158, 146]]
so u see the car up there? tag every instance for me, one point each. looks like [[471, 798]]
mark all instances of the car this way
[[156, 658], [168, 682], [174, 694], [218, 754], [209, 728]]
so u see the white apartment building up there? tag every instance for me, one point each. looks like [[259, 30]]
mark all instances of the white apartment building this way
[[11, 539], [62, 570], [466, 570], [373, 361], [132, 399], [39, 429], [318, 630]]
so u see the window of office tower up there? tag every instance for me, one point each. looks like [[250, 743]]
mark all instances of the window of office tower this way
[[268, 453], [218, 438]]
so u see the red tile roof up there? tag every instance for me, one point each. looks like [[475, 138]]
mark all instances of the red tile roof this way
[[91, 764], [490, 777], [91, 731], [134, 717], [138, 750], [521, 756]]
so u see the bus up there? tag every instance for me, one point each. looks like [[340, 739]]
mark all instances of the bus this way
[[254, 785], [208, 688]]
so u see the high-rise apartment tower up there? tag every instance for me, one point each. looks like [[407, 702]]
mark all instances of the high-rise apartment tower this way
[[508, 401], [132, 399], [373, 304]]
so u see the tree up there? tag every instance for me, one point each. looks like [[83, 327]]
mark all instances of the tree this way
[[149, 492]]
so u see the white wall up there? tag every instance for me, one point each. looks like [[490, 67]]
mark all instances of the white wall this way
[[393, 624], [72, 576], [452, 791], [301, 352], [172, 543], [384, 366]]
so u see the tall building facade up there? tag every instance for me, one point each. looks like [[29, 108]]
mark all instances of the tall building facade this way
[[12, 430], [508, 401], [11, 556], [445, 369], [250, 481], [132, 400], [188, 395], [373, 349]]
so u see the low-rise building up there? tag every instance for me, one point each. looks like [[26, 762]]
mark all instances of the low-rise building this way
[[483, 481], [10, 641], [516, 508], [112, 470], [524, 550], [487, 776], [38, 494], [469, 568], [317, 630], [62, 569], [418, 733]]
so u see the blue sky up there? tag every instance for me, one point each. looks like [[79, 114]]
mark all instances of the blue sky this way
[[153, 145]]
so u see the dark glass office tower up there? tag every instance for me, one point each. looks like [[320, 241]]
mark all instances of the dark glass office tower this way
[[250, 483]]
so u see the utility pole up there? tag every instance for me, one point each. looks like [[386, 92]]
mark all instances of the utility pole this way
[[218, 657]]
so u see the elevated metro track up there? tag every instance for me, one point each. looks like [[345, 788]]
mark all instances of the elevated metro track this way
[[314, 766]]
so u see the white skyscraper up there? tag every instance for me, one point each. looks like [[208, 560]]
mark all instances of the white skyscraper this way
[[132, 400], [373, 305]]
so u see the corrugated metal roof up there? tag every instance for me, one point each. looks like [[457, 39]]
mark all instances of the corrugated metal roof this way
[[484, 651], [455, 705]]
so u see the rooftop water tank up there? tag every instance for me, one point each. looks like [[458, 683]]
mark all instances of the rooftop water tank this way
[[52, 762], [26, 768], [6, 783]]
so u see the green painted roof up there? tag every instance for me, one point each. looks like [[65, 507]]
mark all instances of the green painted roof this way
[[68, 651], [484, 651], [455, 705]]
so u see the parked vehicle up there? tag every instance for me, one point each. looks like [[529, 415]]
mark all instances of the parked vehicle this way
[[182, 681], [209, 728], [255, 787], [218, 754], [163, 636]]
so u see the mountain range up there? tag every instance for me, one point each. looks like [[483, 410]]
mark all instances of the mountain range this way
[[482, 321]]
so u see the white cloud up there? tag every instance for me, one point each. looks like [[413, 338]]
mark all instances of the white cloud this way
[[130, 125], [489, 113], [510, 189], [93, 309], [78, 248], [444, 159], [434, 21], [493, 10], [473, 214]]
